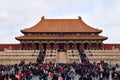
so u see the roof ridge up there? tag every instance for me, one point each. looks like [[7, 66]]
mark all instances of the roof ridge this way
[[43, 18]]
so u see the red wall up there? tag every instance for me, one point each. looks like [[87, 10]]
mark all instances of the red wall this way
[[17, 46], [9, 46], [111, 46]]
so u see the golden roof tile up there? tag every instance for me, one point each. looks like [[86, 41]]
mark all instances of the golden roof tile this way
[[61, 25]]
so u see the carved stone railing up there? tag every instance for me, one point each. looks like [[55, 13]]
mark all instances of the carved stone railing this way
[[103, 51]]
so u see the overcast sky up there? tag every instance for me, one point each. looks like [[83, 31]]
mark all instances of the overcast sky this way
[[20, 14]]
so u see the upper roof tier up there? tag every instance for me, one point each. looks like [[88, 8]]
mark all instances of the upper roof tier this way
[[61, 25]]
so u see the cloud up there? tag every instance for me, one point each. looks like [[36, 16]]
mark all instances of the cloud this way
[[19, 14]]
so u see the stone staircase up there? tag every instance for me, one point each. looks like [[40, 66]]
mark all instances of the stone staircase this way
[[62, 57], [109, 56], [16, 56], [73, 56], [51, 56]]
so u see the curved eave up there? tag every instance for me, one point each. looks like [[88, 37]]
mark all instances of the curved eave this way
[[61, 38], [61, 31], [105, 38], [99, 31], [24, 31]]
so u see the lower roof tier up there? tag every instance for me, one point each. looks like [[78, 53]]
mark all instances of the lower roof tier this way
[[70, 37]]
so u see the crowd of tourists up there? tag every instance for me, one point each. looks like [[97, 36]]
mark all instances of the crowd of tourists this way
[[53, 71]]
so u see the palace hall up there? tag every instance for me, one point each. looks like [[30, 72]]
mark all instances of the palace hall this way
[[60, 41], [61, 34]]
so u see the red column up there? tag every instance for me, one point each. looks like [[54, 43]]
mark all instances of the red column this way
[[55, 46], [40, 46], [97, 46], [48, 46], [67, 46], [102, 46], [25, 46], [82, 46], [94, 46], [89, 45], [20, 47], [33, 46], [74, 46]]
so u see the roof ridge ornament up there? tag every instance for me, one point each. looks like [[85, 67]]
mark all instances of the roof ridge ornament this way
[[43, 17], [79, 17]]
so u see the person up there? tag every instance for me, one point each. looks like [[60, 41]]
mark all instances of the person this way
[[41, 77], [41, 74], [28, 76], [101, 76], [55, 77], [1, 77], [5, 78], [18, 76], [60, 77], [50, 76], [115, 76]]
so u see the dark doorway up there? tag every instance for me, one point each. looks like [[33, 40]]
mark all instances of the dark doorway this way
[[71, 46], [37, 46], [44, 46], [51, 46], [61, 47], [78, 46], [99, 46], [86, 46]]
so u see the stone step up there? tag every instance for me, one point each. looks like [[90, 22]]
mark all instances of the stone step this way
[[106, 56]]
